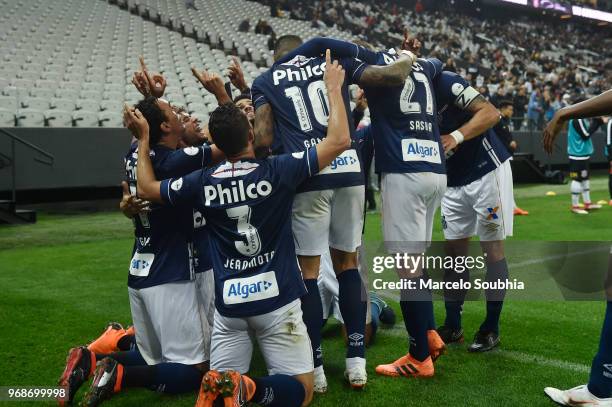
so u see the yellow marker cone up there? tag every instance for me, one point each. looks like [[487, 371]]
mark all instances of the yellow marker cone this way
[[551, 193]]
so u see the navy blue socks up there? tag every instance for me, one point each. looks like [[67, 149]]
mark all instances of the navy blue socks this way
[[417, 310], [496, 272], [169, 378], [353, 307], [312, 311], [278, 391]]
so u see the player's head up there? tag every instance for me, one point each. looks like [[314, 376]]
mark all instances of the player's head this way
[[192, 130], [164, 124], [230, 130], [506, 108], [285, 44], [244, 103]]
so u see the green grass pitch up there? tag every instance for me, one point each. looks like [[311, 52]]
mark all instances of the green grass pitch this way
[[63, 278]]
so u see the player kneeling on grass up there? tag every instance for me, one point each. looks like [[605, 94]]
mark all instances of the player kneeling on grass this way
[[598, 392], [478, 201], [172, 344], [247, 204]]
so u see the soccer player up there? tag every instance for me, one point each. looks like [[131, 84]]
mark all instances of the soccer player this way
[[291, 109], [479, 200], [579, 150], [598, 392], [247, 203], [164, 301]]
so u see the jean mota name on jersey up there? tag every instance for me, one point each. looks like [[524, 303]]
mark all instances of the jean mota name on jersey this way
[[255, 288], [237, 192], [297, 71], [420, 150]]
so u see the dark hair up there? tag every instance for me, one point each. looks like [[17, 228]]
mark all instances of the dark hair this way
[[286, 43], [155, 117], [229, 129], [245, 95], [505, 103]]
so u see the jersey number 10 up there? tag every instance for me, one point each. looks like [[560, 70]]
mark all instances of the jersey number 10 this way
[[317, 94]]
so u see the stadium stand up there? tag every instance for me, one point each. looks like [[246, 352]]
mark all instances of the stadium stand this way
[[65, 65]]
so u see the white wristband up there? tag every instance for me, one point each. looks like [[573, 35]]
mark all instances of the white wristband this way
[[411, 54], [458, 136]]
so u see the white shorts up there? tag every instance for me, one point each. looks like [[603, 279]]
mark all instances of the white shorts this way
[[329, 287], [484, 207], [328, 218], [281, 334], [410, 201], [205, 283], [168, 323]]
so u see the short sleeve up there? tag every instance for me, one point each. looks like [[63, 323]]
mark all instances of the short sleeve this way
[[257, 91], [436, 65], [296, 167], [452, 89], [183, 190], [183, 161], [354, 68]]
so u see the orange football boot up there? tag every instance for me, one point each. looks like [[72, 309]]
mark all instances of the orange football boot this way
[[437, 347], [209, 389], [107, 342], [236, 389], [407, 366]]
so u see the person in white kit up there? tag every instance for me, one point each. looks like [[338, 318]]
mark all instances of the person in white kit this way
[[478, 201]]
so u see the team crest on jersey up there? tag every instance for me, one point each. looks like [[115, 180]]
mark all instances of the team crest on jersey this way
[[177, 185], [191, 150], [298, 60], [492, 213]]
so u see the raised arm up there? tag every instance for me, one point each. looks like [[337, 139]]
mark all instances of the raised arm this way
[[484, 116], [147, 186], [340, 49], [393, 74], [213, 83], [600, 105], [338, 136]]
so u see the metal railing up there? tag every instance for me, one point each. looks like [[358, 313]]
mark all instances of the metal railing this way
[[47, 159]]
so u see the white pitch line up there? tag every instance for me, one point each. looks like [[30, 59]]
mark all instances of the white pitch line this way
[[556, 257], [512, 354]]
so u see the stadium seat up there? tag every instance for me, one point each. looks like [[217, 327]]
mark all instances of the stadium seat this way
[[30, 118], [110, 119], [8, 102], [7, 118], [83, 118], [58, 118], [34, 103], [90, 105]]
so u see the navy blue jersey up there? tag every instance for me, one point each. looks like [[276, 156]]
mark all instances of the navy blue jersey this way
[[163, 248], [247, 205], [297, 94], [404, 119], [473, 158], [201, 243]]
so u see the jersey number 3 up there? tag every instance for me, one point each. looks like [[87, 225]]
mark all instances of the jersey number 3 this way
[[252, 245]]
